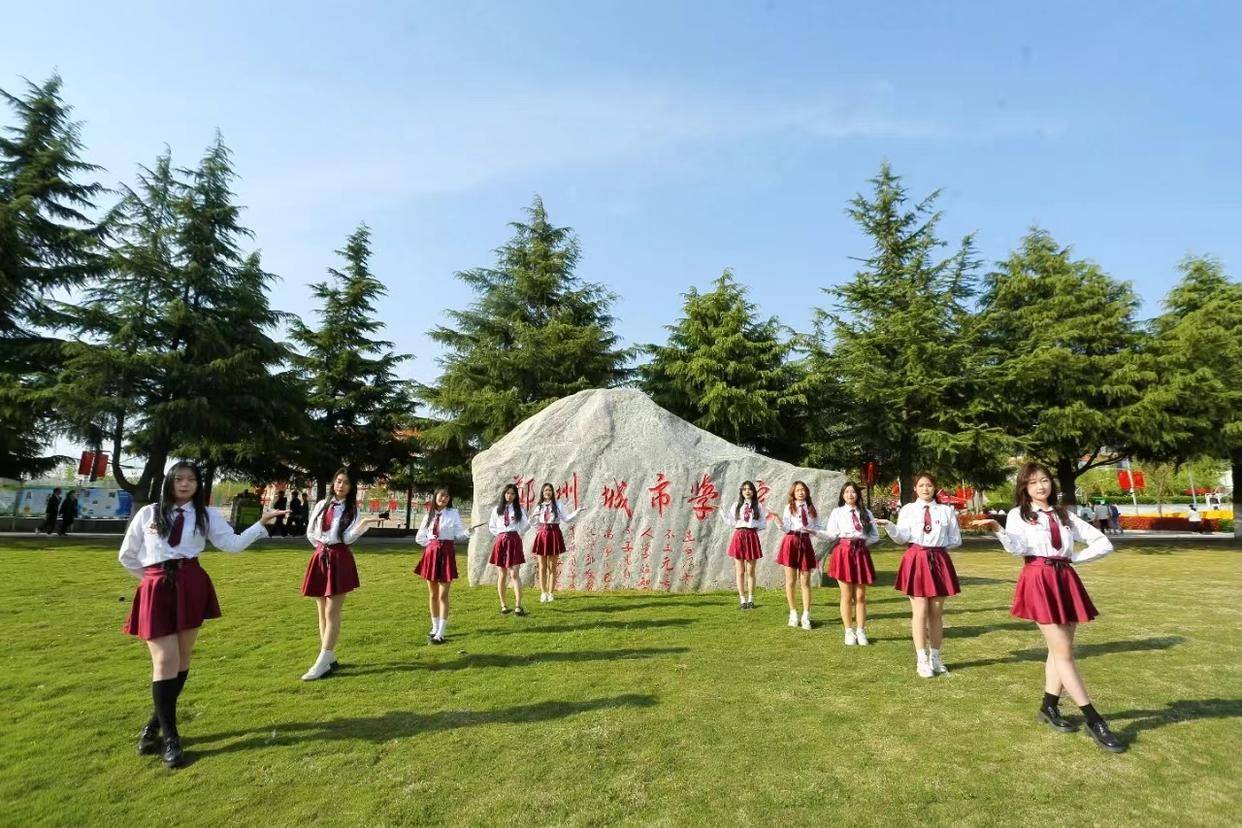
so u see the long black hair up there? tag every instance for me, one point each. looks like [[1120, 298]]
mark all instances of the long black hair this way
[[168, 500], [350, 503], [517, 501], [741, 499], [863, 516], [431, 507]]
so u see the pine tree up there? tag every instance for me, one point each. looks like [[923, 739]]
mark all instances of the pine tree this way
[[1059, 338], [535, 333], [49, 239], [356, 402], [1193, 406], [727, 371], [901, 344]]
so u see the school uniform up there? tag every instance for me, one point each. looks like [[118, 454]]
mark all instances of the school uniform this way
[[850, 561], [174, 592], [1049, 590], [508, 528], [746, 522], [926, 570], [438, 536], [548, 517], [796, 550], [331, 570]]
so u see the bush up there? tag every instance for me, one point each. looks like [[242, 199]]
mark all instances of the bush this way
[[1172, 524]]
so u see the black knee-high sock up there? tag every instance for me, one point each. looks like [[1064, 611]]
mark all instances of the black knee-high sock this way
[[164, 694], [154, 721], [1088, 710], [1051, 701], [181, 677]]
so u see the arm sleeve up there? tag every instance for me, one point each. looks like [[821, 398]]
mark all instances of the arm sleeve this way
[[423, 536], [356, 529], [896, 531], [873, 536], [222, 536], [955, 531], [566, 518], [132, 543], [312, 526], [1097, 544]]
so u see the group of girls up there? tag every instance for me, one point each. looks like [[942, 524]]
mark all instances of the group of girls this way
[[175, 595]]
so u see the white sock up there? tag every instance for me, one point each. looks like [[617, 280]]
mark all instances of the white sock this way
[[443, 622], [741, 599], [750, 599]]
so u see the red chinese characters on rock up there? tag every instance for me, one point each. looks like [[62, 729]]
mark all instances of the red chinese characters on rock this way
[[569, 489], [701, 496], [660, 498], [762, 490], [526, 490], [615, 497]]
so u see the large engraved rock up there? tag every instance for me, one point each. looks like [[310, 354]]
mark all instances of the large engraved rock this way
[[645, 480]]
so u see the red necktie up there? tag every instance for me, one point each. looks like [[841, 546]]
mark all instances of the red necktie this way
[[506, 516], [802, 509], [178, 526], [435, 530], [746, 513], [326, 523], [1054, 528], [547, 513], [927, 520], [854, 515]]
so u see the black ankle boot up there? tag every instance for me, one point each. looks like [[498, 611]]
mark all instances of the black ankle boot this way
[[149, 741], [1052, 717], [173, 757]]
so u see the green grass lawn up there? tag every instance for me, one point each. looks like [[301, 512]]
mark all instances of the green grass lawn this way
[[634, 708]]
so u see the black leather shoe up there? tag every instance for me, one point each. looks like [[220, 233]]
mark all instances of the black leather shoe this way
[[1105, 738], [504, 610], [519, 611], [750, 605], [149, 741], [437, 639], [1052, 717], [173, 757]]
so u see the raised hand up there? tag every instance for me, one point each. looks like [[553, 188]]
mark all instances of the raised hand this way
[[270, 515], [988, 523]]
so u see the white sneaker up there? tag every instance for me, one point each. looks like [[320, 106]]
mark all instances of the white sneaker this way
[[793, 618], [543, 597], [860, 637], [850, 640], [319, 669], [806, 621], [938, 666], [551, 597], [924, 668]]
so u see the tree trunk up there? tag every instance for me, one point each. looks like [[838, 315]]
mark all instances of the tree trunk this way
[[209, 480], [1067, 479]]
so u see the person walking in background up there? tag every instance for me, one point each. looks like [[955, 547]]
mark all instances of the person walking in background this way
[[1101, 516], [1114, 518], [280, 504], [68, 513], [50, 513], [295, 514], [1196, 519]]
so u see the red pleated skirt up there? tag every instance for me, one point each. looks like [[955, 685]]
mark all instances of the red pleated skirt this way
[[507, 550], [1049, 591], [330, 571], [797, 552], [851, 562], [926, 572], [438, 563], [548, 540], [168, 602], [744, 545]]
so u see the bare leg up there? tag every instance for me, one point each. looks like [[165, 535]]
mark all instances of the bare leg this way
[[502, 578], [332, 630], [935, 622], [847, 595], [739, 572], [791, 575], [860, 605], [1060, 638], [515, 573], [918, 622], [806, 591]]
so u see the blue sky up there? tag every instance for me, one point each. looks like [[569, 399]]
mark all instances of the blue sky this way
[[676, 138]]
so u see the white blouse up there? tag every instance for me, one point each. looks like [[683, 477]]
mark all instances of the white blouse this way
[[552, 512], [143, 546], [1023, 539], [840, 524], [451, 528], [792, 521], [909, 526], [496, 522], [743, 516], [314, 528]]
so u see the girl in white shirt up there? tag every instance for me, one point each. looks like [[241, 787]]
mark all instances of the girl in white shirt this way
[[331, 572], [800, 522], [175, 595], [1049, 591], [856, 531], [549, 543], [926, 572], [507, 523], [746, 517], [438, 534]]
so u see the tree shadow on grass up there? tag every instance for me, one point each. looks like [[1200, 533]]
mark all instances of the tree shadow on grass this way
[[1179, 711], [503, 660], [594, 625], [623, 606], [973, 631], [403, 724], [1039, 654], [948, 612]]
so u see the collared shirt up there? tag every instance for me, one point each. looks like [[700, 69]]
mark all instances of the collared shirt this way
[[552, 512], [1023, 539], [792, 521], [908, 528], [496, 522], [143, 545], [840, 524], [451, 528], [744, 516], [314, 528]]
